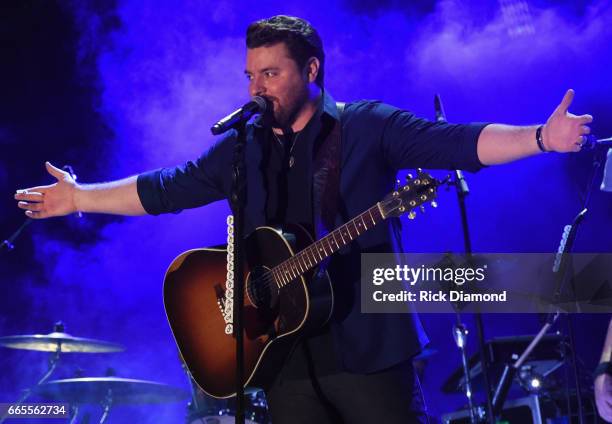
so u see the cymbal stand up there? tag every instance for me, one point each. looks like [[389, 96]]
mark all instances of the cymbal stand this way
[[74, 414], [459, 330], [460, 336], [53, 361], [194, 404], [106, 405]]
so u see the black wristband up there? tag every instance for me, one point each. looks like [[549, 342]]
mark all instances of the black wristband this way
[[539, 139], [602, 368]]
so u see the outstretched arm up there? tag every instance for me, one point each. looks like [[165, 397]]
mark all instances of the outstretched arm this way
[[66, 196], [563, 132]]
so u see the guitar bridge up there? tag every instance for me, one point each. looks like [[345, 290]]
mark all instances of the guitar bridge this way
[[226, 307], [219, 292]]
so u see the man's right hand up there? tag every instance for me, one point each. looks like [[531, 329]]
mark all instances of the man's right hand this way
[[52, 200]]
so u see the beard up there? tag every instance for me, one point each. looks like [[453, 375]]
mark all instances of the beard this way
[[283, 116]]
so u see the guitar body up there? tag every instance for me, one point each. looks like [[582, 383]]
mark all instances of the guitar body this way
[[273, 317]]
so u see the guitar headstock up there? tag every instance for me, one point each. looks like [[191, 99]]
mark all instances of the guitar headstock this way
[[414, 194]]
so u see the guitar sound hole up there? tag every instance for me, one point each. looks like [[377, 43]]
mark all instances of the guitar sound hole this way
[[262, 291]]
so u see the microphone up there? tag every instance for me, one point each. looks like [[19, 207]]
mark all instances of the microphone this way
[[593, 142], [462, 185], [257, 105]]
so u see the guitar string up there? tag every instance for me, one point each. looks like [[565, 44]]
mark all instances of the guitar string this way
[[268, 277]]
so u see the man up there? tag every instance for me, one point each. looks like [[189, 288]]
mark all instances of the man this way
[[603, 379], [356, 369]]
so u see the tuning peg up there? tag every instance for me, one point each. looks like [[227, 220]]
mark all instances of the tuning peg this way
[[402, 208], [434, 204], [409, 177], [411, 215]]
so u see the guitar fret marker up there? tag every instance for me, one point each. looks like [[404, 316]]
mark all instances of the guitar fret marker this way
[[380, 210]]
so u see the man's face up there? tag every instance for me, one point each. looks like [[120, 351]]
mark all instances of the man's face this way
[[273, 74]]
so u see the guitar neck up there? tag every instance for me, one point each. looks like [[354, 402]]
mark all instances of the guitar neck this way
[[323, 248]]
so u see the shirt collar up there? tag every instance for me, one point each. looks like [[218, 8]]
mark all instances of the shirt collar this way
[[329, 106], [326, 110]]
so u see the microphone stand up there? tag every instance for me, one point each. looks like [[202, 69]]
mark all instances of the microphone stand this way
[[239, 183], [562, 269], [239, 121], [7, 245], [459, 330], [597, 159]]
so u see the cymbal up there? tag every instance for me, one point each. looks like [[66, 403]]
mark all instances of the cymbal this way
[[66, 342], [121, 390]]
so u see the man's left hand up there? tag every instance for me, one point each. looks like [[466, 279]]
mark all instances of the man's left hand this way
[[603, 396], [564, 131]]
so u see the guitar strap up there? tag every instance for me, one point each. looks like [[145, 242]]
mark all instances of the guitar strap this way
[[326, 177], [325, 191]]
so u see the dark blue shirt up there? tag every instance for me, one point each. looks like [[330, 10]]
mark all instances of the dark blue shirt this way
[[377, 141]]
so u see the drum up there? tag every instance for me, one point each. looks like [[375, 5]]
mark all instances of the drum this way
[[208, 410], [219, 419]]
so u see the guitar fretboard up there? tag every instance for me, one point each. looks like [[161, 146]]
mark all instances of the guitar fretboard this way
[[317, 252]]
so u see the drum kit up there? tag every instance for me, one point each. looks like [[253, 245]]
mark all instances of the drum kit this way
[[112, 391], [204, 409]]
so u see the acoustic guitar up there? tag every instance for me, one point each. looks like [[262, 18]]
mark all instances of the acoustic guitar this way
[[285, 294]]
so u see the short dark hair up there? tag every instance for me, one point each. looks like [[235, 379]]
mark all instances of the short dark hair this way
[[301, 39]]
